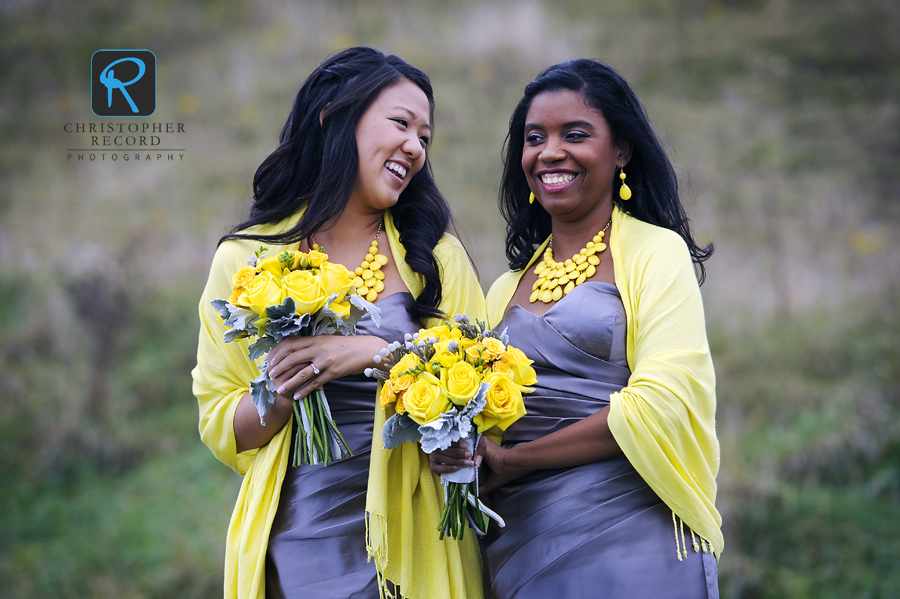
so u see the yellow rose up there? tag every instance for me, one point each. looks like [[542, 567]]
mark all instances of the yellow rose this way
[[523, 372], [305, 288], [316, 259], [272, 265], [402, 383], [261, 292], [387, 394], [465, 343], [476, 351], [434, 332], [493, 349], [406, 362], [502, 367], [236, 296], [441, 332], [503, 404], [460, 382], [242, 277], [337, 279], [444, 357], [424, 402], [399, 407]]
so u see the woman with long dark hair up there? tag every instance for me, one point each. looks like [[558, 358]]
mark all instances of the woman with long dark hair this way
[[607, 485], [350, 175]]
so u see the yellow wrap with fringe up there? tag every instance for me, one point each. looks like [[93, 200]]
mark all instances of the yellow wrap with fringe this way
[[664, 419], [403, 493]]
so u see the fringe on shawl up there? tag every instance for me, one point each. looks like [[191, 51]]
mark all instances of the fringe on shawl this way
[[681, 546], [379, 552]]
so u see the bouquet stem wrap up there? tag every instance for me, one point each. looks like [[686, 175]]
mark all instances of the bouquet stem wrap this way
[[461, 492]]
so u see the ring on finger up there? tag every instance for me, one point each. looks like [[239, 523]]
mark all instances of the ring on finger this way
[[315, 370]]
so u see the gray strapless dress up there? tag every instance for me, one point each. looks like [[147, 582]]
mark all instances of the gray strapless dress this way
[[595, 530], [317, 546]]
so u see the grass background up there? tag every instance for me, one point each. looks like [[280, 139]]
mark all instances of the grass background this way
[[782, 118]]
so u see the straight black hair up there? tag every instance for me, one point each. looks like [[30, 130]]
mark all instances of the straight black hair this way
[[651, 177], [316, 165]]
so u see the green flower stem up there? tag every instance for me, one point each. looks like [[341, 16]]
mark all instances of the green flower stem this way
[[442, 526], [300, 437], [316, 438], [323, 429], [346, 448], [314, 441], [463, 506]]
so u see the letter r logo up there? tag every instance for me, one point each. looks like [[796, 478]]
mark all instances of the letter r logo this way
[[123, 83]]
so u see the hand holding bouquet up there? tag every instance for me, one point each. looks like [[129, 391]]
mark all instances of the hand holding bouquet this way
[[294, 293], [449, 383]]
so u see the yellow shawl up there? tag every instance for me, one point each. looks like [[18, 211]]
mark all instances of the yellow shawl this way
[[664, 420], [222, 376]]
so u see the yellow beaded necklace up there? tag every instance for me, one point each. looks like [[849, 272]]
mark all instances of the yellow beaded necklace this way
[[558, 278], [369, 279]]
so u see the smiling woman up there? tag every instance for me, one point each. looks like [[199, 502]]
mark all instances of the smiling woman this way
[[350, 178], [614, 464], [391, 138]]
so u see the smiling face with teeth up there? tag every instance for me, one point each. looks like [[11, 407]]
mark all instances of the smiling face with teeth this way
[[570, 157], [391, 139]]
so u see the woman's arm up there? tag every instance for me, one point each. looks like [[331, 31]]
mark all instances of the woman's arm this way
[[588, 440], [223, 372]]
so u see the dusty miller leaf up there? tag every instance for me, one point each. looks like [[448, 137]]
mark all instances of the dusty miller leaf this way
[[261, 347], [262, 396], [366, 307], [441, 432], [399, 429]]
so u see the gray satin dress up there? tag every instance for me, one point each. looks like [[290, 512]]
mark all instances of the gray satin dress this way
[[317, 546], [595, 530]]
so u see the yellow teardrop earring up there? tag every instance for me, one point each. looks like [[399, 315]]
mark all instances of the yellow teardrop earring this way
[[531, 198], [624, 191]]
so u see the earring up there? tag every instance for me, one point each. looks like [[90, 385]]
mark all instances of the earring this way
[[624, 191], [531, 198]]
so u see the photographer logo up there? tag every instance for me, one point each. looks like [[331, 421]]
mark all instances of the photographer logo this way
[[123, 83]]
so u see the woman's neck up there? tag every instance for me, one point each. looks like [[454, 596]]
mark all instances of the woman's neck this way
[[350, 229], [570, 237]]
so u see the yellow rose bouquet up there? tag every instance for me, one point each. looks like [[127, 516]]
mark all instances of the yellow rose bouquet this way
[[451, 382], [294, 293]]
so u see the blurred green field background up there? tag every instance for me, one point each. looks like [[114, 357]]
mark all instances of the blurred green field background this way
[[783, 121]]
